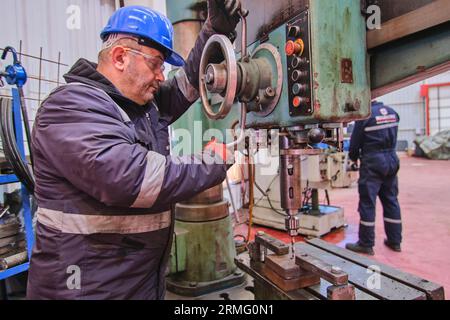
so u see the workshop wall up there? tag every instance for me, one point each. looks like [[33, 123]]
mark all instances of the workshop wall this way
[[64, 29], [411, 107], [68, 27]]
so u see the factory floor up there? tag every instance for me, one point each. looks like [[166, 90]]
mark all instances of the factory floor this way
[[425, 203]]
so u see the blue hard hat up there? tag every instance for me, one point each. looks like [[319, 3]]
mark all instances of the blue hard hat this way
[[149, 26]]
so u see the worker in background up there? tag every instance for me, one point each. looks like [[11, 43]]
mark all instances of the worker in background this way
[[373, 141], [105, 181]]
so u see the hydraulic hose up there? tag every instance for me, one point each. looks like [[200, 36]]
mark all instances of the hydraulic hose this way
[[26, 122], [10, 149]]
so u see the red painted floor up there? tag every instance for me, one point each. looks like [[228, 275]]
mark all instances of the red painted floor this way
[[425, 203]]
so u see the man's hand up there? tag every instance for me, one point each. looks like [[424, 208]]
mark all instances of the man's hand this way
[[220, 149], [224, 15]]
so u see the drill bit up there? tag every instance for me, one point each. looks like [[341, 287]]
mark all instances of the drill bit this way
[[292, 247]]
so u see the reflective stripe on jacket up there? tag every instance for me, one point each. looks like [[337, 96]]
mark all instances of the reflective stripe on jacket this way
[[375, 134]]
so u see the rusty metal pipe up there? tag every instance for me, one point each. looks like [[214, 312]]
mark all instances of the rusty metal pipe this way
[[14, 260]]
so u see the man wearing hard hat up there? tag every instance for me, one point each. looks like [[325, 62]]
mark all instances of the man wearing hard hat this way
[[105, 180]]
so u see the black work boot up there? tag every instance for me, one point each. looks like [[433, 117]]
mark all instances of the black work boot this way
[[392, 246], [357, 247]]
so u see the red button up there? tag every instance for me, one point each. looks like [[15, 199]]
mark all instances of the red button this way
[[294, 47], [296, 101], [290, 48]]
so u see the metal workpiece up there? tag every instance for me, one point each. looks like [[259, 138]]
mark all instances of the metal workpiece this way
[[327, 271], [344, 292], [274, 245], [297, 271]]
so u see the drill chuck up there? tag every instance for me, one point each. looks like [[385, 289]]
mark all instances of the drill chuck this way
[[292, 224]]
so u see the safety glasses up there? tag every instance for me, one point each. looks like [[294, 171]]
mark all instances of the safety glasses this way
[[154, 63]]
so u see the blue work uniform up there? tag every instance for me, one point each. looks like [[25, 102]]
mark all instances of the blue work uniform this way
[[373, 141]]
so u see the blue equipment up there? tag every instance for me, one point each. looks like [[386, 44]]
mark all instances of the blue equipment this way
[[15, 74]]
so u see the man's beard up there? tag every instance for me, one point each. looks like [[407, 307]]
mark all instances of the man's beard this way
[[150, 91], [145, 88]]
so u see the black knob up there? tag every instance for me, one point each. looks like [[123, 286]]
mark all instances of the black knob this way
[[316, 135], [299, 88], [294, 31], [297, 74], [297, 62]]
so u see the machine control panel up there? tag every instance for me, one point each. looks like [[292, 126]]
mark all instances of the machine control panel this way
[[299, 65]]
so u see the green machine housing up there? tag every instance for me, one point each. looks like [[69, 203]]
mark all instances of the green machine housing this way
[[327, 83]]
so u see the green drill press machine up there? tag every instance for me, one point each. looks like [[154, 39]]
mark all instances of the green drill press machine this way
[[300, 69]]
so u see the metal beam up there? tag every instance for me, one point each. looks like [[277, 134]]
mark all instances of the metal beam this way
[[391, 9], [420, 19], [410, 59]]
